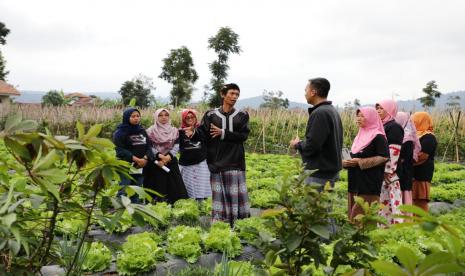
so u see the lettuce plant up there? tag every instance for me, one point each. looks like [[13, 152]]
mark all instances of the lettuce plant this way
[[184, 241], [140, 253], [222, 239], [98, 258]]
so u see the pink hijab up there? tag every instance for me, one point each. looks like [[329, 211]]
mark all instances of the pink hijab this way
[[163, 136], [373, 126], [390, 106], [410, 132]]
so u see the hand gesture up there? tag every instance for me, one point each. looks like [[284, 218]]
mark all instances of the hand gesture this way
[[215, 131], [294, 142]]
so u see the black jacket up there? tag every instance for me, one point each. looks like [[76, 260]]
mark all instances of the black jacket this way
[[322, 145], [226, 152], [192, 151]]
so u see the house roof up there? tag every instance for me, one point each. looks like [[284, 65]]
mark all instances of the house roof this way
[[8, 89], [76, 94]]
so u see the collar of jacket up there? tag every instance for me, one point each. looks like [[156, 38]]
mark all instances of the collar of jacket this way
[[311, 109]]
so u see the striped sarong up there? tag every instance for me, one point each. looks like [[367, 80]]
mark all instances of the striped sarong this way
[[230, 199], [197, 180]]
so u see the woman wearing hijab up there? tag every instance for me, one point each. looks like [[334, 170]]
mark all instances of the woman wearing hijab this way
[[408, 155], [132, 146], [193, 160], [369, 153], [424, 167], [164, 138], [391, 195]]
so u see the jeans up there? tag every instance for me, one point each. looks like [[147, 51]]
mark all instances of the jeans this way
[[126, 182], [322, 182]]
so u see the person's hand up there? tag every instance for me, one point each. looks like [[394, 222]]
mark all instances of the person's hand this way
[[294, 142], [139, 162], [160, 163], [215, 131], [351, 163], [165, 158], [387, 177], [189, 131]]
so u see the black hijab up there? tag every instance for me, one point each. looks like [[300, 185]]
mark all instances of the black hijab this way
[[126, 128]]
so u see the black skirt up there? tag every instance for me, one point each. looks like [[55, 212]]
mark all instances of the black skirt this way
[[170, 185]]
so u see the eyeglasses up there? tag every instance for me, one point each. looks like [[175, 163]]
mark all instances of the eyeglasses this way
[[190, 117]]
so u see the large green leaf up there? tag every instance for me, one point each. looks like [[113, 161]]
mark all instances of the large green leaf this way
[[17, 148], [94, 131], [80, 128], [12, 121], [6, 205], [293, 241], [49, 187], [53, 175], [320, 230], [414, 210], [14, 246], [433, 260], [8, 219], [47, 161], [388, 268], [407, 258], [24, 126]]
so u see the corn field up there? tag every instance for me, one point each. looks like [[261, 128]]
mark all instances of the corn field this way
[[271, 130]]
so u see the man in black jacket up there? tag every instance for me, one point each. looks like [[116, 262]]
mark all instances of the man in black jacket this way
[[224, 131], [322, 145]]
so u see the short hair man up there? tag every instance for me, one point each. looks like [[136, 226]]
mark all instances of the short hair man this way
[[224, 130], [321, 148]]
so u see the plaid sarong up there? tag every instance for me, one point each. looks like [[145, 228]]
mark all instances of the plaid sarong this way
[[230, 200]]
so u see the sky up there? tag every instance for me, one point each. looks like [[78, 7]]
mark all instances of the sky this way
[[367, 49]]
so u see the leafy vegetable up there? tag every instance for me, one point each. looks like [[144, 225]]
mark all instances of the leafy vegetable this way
[[184, 241], [98, 258], [249, 228], [163, 210], [221, 238], [263, 198], [140, 253], [186, 210]]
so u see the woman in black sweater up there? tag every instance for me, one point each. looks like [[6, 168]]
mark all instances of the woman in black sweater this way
[[369, 153], [132, 146]]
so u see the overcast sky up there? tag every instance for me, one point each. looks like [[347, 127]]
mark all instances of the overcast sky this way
[[367, 49]]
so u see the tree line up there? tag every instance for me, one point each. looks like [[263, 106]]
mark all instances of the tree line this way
[[178, 70]]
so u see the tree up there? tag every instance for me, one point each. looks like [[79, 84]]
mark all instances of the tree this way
[[274, 100], [223, 43], [453, 103], [139, 88], [53, 98], [3, 33], [3, 71], [431, 94], [178, 70]]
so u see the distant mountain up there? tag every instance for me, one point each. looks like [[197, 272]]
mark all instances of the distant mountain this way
[[28, 96], [255, 102], [441, 102]]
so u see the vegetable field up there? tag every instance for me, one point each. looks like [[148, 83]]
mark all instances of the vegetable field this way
[[59, 213]]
